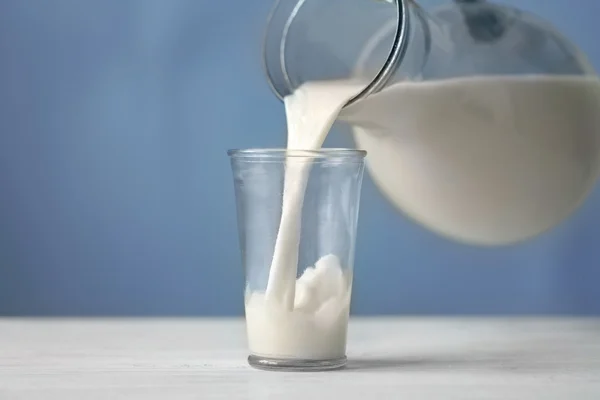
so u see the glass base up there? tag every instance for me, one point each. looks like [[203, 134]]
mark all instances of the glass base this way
[[283, 364]]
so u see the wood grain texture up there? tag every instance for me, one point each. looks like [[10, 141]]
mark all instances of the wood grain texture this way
[[396, 358]]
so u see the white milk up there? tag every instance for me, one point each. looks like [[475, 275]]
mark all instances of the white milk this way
[[484, 160], [307, 318], [311, 111], [315, 329]]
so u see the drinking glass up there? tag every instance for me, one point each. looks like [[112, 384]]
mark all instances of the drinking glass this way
[[297, 214]]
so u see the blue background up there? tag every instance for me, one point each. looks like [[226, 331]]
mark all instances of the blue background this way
[[116, 194]]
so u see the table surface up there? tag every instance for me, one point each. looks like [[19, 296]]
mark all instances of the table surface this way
[[395, 358]]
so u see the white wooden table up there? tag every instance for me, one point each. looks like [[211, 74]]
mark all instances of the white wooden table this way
[[399, 358]]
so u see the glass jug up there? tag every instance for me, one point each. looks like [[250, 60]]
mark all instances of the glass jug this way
[[481, 121]]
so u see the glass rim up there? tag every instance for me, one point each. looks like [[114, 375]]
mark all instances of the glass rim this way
[[281, 153]]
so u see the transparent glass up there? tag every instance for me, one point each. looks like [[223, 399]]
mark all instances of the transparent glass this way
[[387, 41], [305, 203]]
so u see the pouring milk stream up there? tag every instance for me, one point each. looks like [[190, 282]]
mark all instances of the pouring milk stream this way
[[308, 317], [487, 159]]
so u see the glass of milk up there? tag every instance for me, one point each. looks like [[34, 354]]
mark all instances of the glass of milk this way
[[297, 215]]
